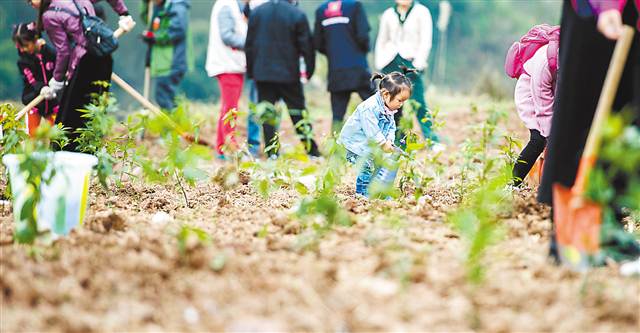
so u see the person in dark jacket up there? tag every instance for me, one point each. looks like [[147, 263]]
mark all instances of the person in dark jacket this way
[[580, 82], [36, 62], [342, 34], [278, 35]]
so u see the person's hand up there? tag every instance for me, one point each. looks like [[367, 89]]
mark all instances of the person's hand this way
[[57, 86], [610, 24], [48, 93], [126, 23], [148, 37], [387, 146]]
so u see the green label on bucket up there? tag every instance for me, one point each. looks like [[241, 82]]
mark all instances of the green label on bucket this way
[[61, 216]]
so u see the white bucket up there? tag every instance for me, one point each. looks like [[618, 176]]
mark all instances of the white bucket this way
[[64, 200]]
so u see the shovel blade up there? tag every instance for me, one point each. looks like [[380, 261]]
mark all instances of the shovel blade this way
[[577, 223]]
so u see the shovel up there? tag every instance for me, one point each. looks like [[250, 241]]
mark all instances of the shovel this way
[[156, 110], [576, 218]]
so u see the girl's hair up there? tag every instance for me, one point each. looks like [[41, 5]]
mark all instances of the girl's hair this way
[[44, 6], [394, 82], [23, 33]]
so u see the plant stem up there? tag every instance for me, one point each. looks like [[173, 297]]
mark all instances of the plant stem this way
[[184, 193]]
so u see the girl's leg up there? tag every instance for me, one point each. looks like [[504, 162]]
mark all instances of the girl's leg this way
[[364, 178], [528, 156]]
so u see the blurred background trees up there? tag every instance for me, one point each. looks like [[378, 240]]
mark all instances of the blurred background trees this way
[[478, 36]]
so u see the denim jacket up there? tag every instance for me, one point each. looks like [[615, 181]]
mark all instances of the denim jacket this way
[[367, 124]]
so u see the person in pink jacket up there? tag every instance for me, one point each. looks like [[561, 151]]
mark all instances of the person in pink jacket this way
[[534, 96]]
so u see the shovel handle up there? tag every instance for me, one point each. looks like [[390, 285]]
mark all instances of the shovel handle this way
[[29, 106], [605, 103]]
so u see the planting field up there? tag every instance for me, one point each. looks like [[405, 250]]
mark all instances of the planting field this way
[[240, 251]]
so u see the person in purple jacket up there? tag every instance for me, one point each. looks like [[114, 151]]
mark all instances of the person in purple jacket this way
[[76, 69]]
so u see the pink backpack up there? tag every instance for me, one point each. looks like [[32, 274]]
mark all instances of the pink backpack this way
[[521, 51]]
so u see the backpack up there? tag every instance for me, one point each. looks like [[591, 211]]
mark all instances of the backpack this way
[[100, 38], [521, 51]]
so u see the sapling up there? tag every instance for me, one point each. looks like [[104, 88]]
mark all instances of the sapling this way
[[181, 159]]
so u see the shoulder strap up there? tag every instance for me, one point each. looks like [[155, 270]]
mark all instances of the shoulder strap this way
[[64, 10], [79, 9]]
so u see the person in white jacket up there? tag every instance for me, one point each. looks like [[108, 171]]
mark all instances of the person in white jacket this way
[[226, 62], [405, 39]]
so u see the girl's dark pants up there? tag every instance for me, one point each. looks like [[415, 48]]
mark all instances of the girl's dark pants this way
[[528, 156], [78, 92]]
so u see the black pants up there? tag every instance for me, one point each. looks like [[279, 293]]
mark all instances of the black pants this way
[[78, 92], [340, 101], [293, 96], [528, 156]]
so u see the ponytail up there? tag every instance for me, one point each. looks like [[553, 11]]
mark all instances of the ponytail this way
[[394, 82], [406, 70]]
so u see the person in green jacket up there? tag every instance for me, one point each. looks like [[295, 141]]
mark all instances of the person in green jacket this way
[[167, 35]]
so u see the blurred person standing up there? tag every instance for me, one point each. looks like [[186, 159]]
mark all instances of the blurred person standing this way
[[342, 34]]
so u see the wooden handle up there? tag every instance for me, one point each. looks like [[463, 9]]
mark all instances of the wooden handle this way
[[603, 109], [145, 102], [30, 106]]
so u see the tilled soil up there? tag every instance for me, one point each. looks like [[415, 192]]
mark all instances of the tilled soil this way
[[399, 267]]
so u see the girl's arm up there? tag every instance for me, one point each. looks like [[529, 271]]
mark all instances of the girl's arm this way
[[542, 83], [371, 129], [426, 39], [391, 136]]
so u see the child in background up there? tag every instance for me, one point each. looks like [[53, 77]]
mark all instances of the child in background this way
[[36, 62], [372, 123], [534, 96]]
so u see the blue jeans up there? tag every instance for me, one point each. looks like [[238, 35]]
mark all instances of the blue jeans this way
[[364, 177], [253, 128], [166, 87]]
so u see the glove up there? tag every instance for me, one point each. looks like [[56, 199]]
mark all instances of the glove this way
[[56, 86], [126, 23], [148, 37], [48, 93]]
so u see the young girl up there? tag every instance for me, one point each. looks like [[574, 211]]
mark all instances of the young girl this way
[[534, 95], [36, 62], [372, 123], [76, 69], [405, 39]]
